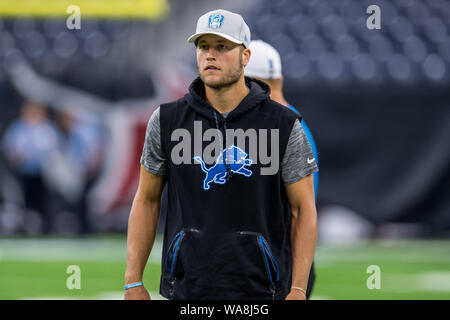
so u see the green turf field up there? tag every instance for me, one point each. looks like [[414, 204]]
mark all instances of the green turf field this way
[[36, 269]]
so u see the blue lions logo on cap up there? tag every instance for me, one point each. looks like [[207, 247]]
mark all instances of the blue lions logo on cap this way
[[215, 21]]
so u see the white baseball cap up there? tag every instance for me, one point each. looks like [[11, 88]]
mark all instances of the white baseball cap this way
[[265, 61], [225, 24]]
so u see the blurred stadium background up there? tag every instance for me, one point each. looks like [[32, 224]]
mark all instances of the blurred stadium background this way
[[74, 105]]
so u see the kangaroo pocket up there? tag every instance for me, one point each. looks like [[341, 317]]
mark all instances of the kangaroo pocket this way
[[238, 265]]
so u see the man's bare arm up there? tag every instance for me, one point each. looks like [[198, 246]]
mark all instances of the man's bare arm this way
[[303, 232], [142, 225]]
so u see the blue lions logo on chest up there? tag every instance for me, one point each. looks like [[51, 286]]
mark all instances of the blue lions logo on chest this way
[[236, 159]]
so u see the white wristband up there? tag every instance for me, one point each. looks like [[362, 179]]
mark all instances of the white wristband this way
[[301, 289]]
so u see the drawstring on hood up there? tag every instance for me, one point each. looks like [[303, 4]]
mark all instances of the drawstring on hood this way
[[258, 92], [227, 166]]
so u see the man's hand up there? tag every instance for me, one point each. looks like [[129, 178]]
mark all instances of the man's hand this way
[[137, 293], [296, 295]]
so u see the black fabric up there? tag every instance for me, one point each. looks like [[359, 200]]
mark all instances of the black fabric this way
[[233, 240], [311, 281]]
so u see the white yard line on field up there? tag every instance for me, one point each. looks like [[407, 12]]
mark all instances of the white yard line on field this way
[[70, 250], [425, 281]]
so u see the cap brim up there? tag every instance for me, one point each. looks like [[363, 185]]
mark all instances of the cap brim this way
[[194, 37]]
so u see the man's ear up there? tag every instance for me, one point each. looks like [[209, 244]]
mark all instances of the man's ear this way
[[246, 53]]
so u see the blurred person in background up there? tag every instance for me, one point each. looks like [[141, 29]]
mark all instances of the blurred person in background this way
[[265, 65], [27, 144], [76, 164]]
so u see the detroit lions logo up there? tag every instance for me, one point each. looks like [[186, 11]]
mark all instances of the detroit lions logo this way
[[237, 159], [215, 21]]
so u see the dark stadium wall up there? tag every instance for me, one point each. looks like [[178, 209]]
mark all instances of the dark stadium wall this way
[[383, 153]]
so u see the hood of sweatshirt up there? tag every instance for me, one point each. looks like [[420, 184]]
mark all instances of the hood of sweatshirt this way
[[258, 92]]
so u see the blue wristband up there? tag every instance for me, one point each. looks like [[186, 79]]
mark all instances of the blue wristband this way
[[133, 285]]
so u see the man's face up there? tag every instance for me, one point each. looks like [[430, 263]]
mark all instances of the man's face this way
[[219, 61]]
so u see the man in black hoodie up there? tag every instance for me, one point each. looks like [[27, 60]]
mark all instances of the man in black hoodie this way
[[241, 218]]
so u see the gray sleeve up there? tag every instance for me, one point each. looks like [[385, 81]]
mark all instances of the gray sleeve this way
[[153, 158], [298, 161]]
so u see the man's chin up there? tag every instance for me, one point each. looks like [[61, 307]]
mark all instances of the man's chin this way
[[217, 83], [210, 78], [214, 84]]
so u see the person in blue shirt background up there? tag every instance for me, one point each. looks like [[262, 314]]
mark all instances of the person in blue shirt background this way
[[265, 65], [27, 145]]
